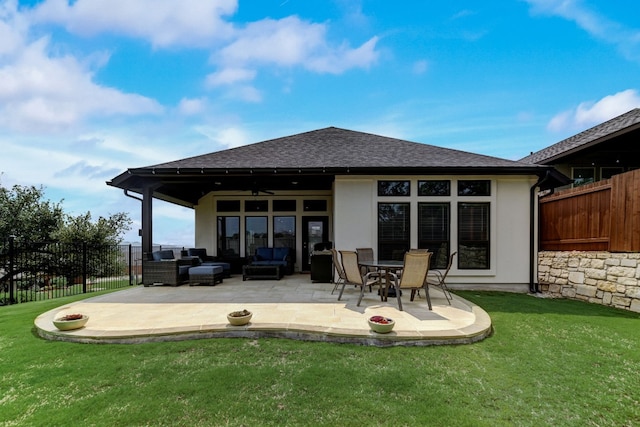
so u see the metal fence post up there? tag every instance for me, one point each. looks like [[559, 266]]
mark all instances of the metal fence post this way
[[11, 266], [84, 267], [130, 265]]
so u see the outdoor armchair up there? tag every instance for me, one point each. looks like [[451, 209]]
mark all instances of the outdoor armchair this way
[[414, 276], [365, 254], [354, 277], [338, 266], [200, 253], [437, 278], [162, 267]]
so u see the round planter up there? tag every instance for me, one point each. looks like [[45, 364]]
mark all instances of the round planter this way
[[239, 318], [381, 328], [67, 325]]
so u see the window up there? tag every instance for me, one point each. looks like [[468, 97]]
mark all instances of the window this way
[[256, 205], [394, 188], [433, 231], [229, 236], [255, 233], [434, 188], [315, 205], [473, 235], [228, 205], [284, 205], [478, 187], [583, 176], [284, 231], [608, 172], [393, 230]]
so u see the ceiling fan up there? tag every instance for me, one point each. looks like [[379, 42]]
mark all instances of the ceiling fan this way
[[255, 190]]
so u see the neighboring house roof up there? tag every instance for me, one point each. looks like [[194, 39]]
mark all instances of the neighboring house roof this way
[[309, 160], [590, 137]]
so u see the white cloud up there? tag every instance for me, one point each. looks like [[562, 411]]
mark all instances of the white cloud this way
[[336, 61], [164, 23], [246, 93], [42, 92], [463, 14], [237, 52], [590, 113], [229, 137], [287, 42], [13, 28], [228, 76], [627, 40], [284, 42], [190, 107]]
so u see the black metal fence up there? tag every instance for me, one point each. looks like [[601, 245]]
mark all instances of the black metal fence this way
[[33, 271]]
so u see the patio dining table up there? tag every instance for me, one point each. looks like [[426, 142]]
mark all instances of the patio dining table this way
[[387, 266]]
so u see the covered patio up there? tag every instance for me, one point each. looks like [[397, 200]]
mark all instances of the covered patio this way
[[293, 308]]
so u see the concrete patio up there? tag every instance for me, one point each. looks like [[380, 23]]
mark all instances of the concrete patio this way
[[293, 307]]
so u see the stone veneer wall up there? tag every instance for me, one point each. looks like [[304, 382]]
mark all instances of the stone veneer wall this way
[[605, 278]]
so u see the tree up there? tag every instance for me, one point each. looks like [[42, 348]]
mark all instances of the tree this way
[[92, 245], [103, 231], [25, 215]]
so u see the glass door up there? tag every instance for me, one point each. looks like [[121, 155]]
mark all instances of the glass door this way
[[315, 229]]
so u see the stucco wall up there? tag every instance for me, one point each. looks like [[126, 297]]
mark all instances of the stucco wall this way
[[355, 221], [355, 217], [605, 278], [353, 212]]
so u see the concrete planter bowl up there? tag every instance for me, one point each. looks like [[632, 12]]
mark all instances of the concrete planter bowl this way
[[71, 321], [239, 318], [381, 324]]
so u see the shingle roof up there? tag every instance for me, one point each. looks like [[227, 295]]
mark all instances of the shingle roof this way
[[339, 148], [310, 161], [589, 137]]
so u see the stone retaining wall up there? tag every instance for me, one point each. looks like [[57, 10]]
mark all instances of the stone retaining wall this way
[[605, 278]]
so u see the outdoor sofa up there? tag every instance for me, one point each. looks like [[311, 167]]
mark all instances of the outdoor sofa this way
[[282, 257]]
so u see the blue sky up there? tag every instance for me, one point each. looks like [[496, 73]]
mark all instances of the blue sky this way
[[89, 88]]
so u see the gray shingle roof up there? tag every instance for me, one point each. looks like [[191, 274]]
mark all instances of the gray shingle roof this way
[[589, 137], [339, 148], [310, 161]]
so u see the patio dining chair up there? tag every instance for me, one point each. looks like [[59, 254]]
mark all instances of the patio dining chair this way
[[353, 275], [437, 278], [365, 254], [414, 276], [417, 251], [338, 266]]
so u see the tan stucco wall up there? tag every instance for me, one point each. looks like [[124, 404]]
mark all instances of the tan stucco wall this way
[[355, 221], [352, 208]]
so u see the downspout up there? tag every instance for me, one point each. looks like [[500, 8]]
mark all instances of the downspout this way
[[533, 258], [126, 193]]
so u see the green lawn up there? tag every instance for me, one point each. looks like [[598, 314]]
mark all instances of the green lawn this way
[[548, 363]]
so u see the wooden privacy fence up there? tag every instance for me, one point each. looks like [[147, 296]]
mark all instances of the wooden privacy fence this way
[[602, 216]]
